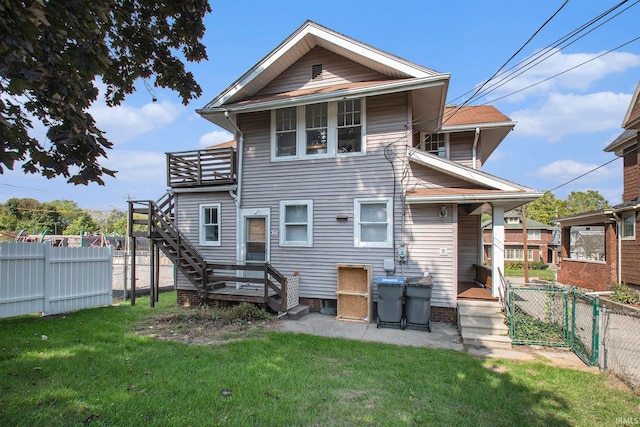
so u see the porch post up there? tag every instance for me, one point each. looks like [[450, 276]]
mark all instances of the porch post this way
[[497, 251]]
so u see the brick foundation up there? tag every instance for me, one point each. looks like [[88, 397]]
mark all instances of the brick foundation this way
[[445, 315], [314, 304], [188, 298]]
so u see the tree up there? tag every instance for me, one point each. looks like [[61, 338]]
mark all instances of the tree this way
[[579, 202], [52, 54], [546, 208], [82, 224]]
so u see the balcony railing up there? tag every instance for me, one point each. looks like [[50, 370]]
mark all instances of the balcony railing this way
[[215, 166]]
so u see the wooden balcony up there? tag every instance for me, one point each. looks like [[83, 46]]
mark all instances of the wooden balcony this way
[[201, 168]]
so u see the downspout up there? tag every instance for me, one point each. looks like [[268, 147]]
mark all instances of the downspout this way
[[619, 244], [238, 196], [475, 147]]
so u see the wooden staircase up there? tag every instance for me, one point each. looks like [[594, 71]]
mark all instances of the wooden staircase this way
[[157, 220], [481, 324]]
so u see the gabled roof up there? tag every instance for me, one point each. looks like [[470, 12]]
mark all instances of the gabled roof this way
[[491, 123], [623, 141], [484, 188], [632, 118], [402, 75]]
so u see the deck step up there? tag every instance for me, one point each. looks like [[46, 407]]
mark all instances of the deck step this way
[[298, 312]]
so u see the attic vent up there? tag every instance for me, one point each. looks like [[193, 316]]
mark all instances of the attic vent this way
[[316, 71]]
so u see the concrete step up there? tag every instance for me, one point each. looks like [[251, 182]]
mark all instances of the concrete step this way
[[477, 311], [486, 341], [478, 303], [297, 312], [486, 325]]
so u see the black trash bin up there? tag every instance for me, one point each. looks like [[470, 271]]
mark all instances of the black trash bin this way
[[418, 302], [390, 302]]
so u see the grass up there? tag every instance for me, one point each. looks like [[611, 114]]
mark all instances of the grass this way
[[540, 274], [92, 369]]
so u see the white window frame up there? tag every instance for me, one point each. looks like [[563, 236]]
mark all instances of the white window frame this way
[[625, 217], [283, 230], [202, 238], [518, 254], [332, 134], [423, 145], [357, 241]]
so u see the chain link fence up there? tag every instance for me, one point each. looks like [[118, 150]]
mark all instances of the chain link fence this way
[[539, 316], [621, 343], [121, 278], [585, 327]]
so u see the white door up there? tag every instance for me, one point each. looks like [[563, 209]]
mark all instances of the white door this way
[[255, 243]]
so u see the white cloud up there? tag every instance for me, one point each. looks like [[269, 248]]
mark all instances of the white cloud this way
[[565, 170], [138, 166], [125, 122], [580, 79], [214, 138], [561, 115]]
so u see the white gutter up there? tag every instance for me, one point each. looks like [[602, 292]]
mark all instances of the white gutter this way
[[238, 198], [618, 244], [462, 198], [474, 150]]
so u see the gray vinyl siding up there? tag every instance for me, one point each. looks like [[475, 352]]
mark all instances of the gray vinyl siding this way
[[468, 246], [187, 220], [332, 184], [461, 148], [336, 70], [426, 235], [423, 177]]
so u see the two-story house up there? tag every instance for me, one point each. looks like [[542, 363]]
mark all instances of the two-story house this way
[[346, 155], [542, 240], [620, 223]]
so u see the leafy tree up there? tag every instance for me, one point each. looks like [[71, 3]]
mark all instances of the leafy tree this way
[[54, 52], [579, 202], [83, 223], [546, 208]]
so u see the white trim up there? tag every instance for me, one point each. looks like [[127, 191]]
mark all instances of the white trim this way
[[463, 172], [202, 240], [357, 241], [254, 213], [283, 235], [472, 126]]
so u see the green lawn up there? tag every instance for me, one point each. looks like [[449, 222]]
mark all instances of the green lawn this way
[[541, 274], [92, 369]]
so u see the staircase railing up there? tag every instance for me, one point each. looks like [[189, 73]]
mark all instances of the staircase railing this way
[[158, 217]]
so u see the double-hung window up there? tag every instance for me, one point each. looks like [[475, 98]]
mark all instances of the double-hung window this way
[[327, 129], [373, 222], [629, 226], [286, 123], [209, 234], [533, 235], [296, 223]]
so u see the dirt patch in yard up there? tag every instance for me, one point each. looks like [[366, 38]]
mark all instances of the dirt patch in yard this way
[[198, 326]]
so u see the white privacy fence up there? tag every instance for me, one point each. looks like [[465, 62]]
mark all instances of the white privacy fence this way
[[36, 277]]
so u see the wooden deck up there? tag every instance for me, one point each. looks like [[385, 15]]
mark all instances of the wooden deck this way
[[471, 290], [251, 294]]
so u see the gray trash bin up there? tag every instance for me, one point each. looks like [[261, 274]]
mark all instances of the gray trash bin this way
[[390, 302], [418, 302]]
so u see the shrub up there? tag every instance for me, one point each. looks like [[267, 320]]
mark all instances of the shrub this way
[[623, 294], [513, 265], [538, 265]]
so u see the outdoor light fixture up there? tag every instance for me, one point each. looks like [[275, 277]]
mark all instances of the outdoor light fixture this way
[[443, 211]]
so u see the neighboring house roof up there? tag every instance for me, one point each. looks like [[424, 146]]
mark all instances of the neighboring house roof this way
[[532, 224], [428, 86], [224, 144], [622, 142], [492, 188], [632, 118]]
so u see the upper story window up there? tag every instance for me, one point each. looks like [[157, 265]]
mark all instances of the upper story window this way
[[435, 143], [285, 132], [349, 126], [209, 234], [533, 235], [373, 223], [629, 226], [326, 129]]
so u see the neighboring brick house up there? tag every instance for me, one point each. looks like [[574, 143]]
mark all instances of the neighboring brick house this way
[[620, 223], [542, 240]]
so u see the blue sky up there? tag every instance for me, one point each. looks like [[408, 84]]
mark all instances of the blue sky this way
[[562, 125]]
